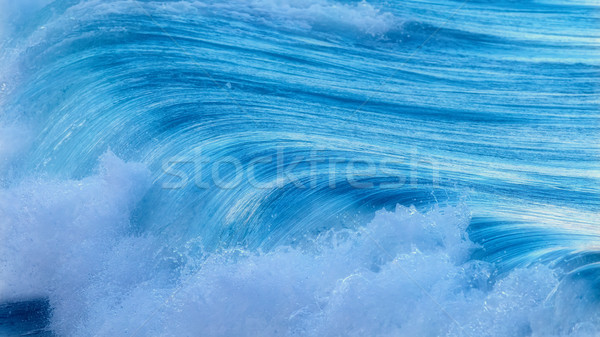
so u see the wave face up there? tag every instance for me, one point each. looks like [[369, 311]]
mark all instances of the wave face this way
[[299, 167]]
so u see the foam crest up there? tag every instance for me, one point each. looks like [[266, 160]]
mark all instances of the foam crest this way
[[326, 15], [14, 11], [322, 15], [56, 233], [405, 273]]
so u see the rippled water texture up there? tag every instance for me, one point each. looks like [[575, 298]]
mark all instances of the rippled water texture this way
[[299, 167]]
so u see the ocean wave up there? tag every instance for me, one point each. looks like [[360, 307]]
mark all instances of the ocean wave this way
[[403, 273], [372, 168]]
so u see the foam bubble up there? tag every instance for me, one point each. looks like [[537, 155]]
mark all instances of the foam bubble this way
[[322, 15], [56, 233], [12, 12], [14, 140], [404, 273], [325, 15]]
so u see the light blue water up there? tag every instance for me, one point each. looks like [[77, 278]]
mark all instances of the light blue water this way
[[483, 115]]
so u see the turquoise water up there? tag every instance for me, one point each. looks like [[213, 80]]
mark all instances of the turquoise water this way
[[283, 167]]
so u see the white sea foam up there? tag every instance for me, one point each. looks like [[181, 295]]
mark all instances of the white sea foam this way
[[14, 140], [324, 15], [55, 234], [12, 12], [405, 273]]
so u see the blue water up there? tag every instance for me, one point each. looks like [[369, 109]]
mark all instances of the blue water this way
[[300, 167]]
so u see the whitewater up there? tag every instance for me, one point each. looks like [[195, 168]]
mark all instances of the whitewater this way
[[299, 168]]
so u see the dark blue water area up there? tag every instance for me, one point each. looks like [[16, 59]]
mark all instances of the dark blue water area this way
[[27, 318]]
